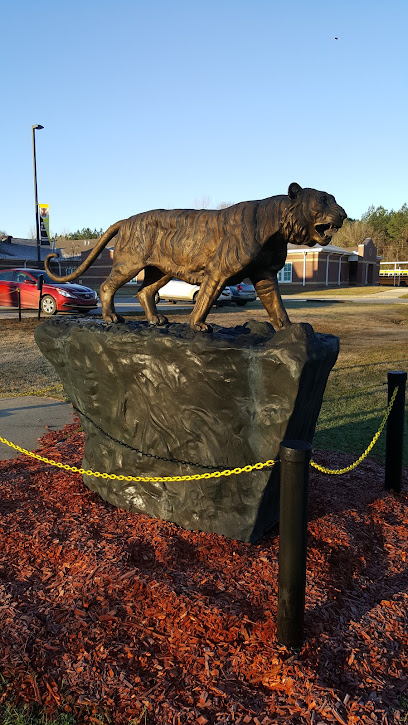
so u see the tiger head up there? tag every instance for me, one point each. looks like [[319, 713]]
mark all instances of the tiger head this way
[[311, 217]]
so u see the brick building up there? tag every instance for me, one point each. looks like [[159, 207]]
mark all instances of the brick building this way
[[99, 270], [331, 266]]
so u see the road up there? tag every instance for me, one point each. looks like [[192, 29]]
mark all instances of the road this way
[[125, 305]]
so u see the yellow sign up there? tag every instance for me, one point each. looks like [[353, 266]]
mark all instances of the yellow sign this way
[[44, 214]]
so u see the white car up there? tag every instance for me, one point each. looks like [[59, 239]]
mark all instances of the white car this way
[[178, 291]]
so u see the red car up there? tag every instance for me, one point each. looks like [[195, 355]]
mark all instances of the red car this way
[[55, 297]]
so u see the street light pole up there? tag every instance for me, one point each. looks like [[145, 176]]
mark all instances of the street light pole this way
[[37, 227]]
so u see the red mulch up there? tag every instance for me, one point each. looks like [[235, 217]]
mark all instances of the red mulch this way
[[105, 612]]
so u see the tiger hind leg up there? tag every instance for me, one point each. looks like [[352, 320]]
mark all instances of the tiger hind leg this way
[[116, 279]]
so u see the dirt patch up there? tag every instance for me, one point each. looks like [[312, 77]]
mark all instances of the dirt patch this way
[[22, 367], [112, 615]]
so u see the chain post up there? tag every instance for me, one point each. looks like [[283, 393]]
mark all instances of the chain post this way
[[294, 479], [40, 282], [395, 432]]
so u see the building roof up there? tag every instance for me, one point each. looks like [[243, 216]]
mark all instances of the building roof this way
[[74, 247], [331, 249], [319, 248], [22, 249]]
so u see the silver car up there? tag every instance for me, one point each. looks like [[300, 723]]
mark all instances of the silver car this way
[[242, 293]]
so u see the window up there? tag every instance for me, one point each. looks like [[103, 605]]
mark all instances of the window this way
[[6, 276], [23, 277], [285, 274], [37, 272]]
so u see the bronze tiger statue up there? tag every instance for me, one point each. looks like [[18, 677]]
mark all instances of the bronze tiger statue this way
[[213, 248]]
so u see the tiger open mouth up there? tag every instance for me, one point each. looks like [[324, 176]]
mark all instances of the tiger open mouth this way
[[326, 231]]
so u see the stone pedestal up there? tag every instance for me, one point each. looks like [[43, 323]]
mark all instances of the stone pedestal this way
[[225, 400]]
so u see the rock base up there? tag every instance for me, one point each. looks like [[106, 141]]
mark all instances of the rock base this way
[[186, 401]]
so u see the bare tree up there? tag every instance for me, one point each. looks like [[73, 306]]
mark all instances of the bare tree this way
[[202, 203], [205, 203], [352, 233], [224, 204]]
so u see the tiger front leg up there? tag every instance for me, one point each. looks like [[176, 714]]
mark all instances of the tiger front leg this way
[[268, 292], [154, 280], [207, 294]]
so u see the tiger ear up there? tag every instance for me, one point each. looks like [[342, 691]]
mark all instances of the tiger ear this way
[[294, 190]]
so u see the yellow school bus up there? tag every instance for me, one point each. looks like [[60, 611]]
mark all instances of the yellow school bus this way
[[396, 277]]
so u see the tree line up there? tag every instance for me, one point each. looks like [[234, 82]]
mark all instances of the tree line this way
[[85, 233], [387, 229]]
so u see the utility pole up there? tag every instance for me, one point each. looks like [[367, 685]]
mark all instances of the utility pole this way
[[35, 128]]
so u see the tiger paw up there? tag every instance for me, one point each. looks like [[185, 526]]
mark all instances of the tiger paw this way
[[112, 317], [200, 327], [158, 320]]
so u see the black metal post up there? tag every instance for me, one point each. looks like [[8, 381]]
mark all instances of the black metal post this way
[[37, 225], [294, 478], [19, 304], [40, 283], [395, 432]]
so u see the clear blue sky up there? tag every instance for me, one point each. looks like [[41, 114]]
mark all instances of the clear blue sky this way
[[163, 103]]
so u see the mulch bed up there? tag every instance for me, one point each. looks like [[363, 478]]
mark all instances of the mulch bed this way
[[111, 615]]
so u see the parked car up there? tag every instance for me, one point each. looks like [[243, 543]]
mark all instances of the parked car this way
[[242, 293], [55, 297], [178, 291]]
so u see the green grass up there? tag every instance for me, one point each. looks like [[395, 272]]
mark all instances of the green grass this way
[[11, 715], [342, 291], [349, 418], [372, 342], [404, 709], [141, 720]]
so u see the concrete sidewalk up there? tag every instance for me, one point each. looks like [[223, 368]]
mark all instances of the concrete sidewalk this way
[[390, 293], [24, 420]]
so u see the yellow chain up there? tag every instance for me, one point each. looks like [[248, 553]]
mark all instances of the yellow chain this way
[[200, 476], [338, 471], [155, 479], [5, 394]]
